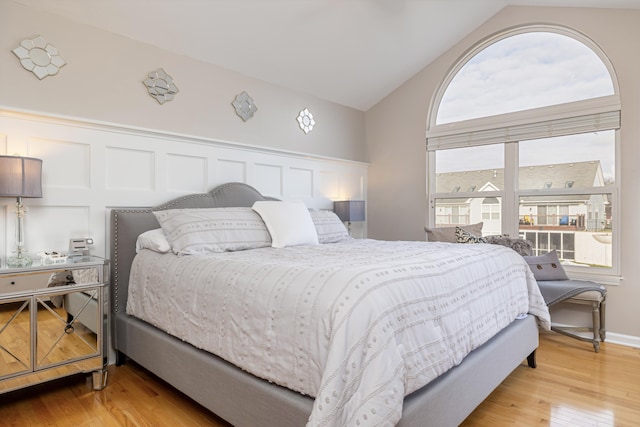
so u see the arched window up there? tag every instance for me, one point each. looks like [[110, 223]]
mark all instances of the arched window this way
[[522, 72], [529, 117]]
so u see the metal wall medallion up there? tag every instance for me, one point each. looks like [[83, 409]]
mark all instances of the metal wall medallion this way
[[305, 120], [244, 106], [160, 86], [39, 57]]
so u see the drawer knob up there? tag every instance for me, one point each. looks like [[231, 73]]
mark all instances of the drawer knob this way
[[13, 282]]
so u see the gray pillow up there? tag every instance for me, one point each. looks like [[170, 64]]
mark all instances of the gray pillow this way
[[546, 267], [328, 226], [521, 246], [448, 234], [206, 230]]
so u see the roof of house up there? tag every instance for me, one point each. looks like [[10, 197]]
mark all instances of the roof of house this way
[[562, 175]]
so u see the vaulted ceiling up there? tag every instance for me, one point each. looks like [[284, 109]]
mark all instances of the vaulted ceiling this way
[[352, 52]]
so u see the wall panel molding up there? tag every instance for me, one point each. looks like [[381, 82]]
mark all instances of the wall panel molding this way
[[70, 162], [195, 181], [89, 168]]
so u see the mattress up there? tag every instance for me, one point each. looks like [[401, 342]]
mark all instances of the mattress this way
[[357, 325]]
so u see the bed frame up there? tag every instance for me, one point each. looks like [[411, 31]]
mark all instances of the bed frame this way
[[247, 401]]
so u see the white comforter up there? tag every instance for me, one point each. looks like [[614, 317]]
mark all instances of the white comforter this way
[[357, 325]]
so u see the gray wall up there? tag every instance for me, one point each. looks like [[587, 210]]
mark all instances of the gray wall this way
[[396, 141], [102, 81]]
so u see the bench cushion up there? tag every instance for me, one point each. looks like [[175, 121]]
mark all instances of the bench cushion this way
[[555, 291]]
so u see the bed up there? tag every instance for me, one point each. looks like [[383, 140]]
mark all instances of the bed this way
[[251, 399]]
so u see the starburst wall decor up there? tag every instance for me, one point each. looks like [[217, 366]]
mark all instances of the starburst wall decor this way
[[39, 57], [160, 86], [305, 120], [244, 106]]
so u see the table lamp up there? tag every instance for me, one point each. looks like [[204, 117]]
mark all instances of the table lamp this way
[[349, 210], [20, 177]]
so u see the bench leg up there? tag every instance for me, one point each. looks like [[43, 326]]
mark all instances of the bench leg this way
[[603, 329], [597, 332]]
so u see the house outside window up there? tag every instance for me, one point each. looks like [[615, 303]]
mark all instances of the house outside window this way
[[491, 209], [548, 161]]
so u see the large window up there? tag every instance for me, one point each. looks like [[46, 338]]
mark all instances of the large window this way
[[523, 137]]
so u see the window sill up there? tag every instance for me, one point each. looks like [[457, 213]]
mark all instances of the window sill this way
[[604, 279]]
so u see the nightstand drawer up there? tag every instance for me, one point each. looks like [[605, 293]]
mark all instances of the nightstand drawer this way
[[24, 281]]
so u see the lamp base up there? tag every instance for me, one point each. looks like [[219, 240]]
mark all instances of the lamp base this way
[[19, 261]]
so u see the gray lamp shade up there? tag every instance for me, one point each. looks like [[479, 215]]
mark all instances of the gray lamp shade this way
[[349, 210], [20, 177]]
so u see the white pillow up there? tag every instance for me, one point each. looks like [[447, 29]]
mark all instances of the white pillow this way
[[154, 240], [328, 226], [289, 223], [203, 230]]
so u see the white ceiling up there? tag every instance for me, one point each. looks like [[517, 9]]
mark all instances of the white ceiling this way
[[352, 52]]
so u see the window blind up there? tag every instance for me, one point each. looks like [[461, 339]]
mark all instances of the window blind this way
[[594, 122]]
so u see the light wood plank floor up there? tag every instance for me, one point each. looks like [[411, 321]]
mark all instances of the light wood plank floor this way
[[572, 386]]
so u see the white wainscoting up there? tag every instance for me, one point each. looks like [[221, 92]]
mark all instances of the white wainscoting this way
[[89, 168]]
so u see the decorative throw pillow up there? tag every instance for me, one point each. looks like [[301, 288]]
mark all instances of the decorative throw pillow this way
[[203, 230], [328, 226], [546, 267], [521, 246], [448, 234], [288, 222], [463, 236], [154, 240]]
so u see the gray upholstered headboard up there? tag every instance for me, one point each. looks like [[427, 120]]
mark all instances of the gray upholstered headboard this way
[[128, 224]]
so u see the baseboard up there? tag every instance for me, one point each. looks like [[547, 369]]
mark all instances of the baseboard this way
[[621, 339]]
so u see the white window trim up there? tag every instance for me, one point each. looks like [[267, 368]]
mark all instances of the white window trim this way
[[483, 44]]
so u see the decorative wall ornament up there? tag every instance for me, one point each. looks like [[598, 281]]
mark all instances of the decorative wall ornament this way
[[305, 120], [39, 57], [244, 106], [160, 86]]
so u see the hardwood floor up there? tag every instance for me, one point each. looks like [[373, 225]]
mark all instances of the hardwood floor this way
[[572, 386]]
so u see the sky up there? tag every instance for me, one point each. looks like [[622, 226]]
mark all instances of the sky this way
[[526, 71]]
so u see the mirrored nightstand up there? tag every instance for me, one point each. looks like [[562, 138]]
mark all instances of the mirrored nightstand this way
[[53, 322]]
